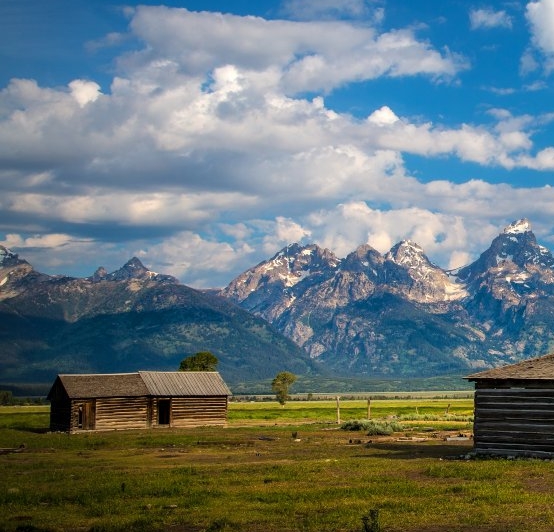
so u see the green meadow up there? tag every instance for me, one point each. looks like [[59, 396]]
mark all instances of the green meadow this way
[[273, 468]]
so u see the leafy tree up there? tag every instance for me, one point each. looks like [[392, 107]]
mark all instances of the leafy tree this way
[[281, 384], [6, 397], [201, 361]]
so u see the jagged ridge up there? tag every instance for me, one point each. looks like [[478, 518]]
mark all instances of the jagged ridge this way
[[399, 314], [127, 320]]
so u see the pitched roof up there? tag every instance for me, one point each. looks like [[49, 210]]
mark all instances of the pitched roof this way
[[184, 383], [143, 383], [103, 385], [540, 368]]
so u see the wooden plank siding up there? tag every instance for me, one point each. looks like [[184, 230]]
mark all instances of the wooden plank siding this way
[[121, 413], [514, 421], [195, 411]]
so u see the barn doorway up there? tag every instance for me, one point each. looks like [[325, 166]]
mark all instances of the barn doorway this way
[[164, 411], [87, 415]]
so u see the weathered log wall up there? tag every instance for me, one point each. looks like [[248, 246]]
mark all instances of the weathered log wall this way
[[135, 413], [114, 413], [195, 411], [514, 421]]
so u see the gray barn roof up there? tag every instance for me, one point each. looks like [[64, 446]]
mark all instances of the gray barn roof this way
[[143, 383], [184, 383], [540, 368]]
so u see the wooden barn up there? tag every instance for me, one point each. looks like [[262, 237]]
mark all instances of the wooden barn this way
[[514, 409], [147, 399]]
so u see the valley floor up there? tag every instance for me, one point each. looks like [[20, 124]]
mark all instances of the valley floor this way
[[267, 475]]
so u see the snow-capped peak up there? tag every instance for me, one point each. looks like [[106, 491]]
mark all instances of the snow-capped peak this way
[[518, 227], [405, 252]]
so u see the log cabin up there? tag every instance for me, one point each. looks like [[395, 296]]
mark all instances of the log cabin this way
[[146, 399], [514, 409]]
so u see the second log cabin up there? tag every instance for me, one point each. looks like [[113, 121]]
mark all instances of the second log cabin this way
[[514, 409]]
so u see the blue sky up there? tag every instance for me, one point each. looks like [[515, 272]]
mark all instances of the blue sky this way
[[203, 136]]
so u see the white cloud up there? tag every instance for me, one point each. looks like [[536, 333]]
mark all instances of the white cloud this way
[[285, 231], [444, 237], [307, 56], [204, 141], [188, 255], [152, 209], [540, 15], [528, 63], [84, 91], [54, 240], [488, 18], [383, 117]]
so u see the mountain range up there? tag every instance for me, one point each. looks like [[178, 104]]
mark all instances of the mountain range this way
[[128, 320], [400, 315], [368, 315]]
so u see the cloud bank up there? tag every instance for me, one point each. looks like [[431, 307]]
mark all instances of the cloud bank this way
[[209, 152]]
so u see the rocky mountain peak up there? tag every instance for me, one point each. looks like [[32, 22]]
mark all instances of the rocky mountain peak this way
[[294, 263], [518, 227], [364, 259], [516, 249], [99, 274], [407, 253], [132, 269], [9, 259]]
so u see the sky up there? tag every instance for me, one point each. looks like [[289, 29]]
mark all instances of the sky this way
[[204, 136]]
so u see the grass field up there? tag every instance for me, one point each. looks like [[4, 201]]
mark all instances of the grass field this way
[[272, 469]]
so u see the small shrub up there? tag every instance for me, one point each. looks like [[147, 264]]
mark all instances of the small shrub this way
[[356, 424], [373, 427]]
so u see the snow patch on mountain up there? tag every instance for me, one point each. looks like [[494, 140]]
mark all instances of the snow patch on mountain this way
[[518, 227], [291, 278]]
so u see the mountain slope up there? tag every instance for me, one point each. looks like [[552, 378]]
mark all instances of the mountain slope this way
[[400, 315], [128, 320]]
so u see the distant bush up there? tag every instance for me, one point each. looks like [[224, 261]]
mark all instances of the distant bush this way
[[373, 427], [435, 417], [7, 399]]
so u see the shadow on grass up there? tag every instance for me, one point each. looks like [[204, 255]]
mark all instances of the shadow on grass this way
[[409, 450], [34, 430]]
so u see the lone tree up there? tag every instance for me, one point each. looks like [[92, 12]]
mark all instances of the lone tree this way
[[281, 384], [202, 361]]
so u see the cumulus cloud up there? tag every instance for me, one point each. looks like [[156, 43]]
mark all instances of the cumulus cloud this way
[[540, 15], [84, 91], [187, 254], [488, 18], [383, 116], [211, 146], [305, 56]]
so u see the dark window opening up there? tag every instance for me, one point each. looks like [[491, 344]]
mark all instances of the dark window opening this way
[[164, 409]]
